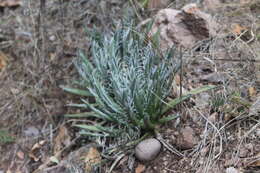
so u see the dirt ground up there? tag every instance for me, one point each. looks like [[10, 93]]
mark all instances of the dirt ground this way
[[38, 44]]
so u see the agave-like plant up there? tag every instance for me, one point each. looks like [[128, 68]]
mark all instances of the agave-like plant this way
[[130, 81]]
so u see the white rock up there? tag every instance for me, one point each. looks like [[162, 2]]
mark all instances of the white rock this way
[[148, 149], [232, 170], [258, 132], [32, 131], [52, 38]]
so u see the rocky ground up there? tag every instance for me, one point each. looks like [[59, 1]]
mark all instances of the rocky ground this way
[[218, 130]]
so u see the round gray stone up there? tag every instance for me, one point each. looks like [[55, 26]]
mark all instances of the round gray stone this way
[[147, 149]]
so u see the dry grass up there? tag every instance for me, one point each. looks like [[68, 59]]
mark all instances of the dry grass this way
[[40, 41], [223, 138]]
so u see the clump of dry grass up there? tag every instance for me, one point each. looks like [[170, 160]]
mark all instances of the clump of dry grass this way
[[228, 116], [40, 40]]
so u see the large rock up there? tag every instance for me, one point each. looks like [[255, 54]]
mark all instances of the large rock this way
[[185, 27], [148, 149]]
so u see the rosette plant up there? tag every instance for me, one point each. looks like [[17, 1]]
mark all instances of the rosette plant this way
[[131, 81]]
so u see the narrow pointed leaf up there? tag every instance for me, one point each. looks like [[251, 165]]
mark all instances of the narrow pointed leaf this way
[[83, 115], [92, 134], [168, 118], [88, 127], [76, 91]]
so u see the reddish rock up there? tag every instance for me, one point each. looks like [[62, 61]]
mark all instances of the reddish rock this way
[[187, 138], [185, 27]]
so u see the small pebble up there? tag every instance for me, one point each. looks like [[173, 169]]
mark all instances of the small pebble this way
[[148, 149], [52, 38], [258, 132], [232, 170], [31, 131]]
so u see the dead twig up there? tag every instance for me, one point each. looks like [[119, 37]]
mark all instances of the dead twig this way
[[168, 146]]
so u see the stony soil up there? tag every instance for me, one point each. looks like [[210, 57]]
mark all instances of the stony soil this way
[[39, 43]]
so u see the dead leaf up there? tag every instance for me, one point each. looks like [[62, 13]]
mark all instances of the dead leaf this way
[[252, 91], [20, 155], [34, 157], [238, 29], [140, 168], [42, 142], [177, 79], [52, 56], [228, 117], [213, 117], [14, 91], [54, 159], [10, 3], [35, 148], [255, 163], [62, 140], [3, 60], [92, 158], [176, 90]]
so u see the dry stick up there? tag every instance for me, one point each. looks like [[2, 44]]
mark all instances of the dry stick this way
[[120, 157], [243, 138], [144, 22], [238, 60], [42, 11], [42, 31], [181, 76], [61, 2], [217, 131], [43, 34], [135, 10], [168, 146]]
